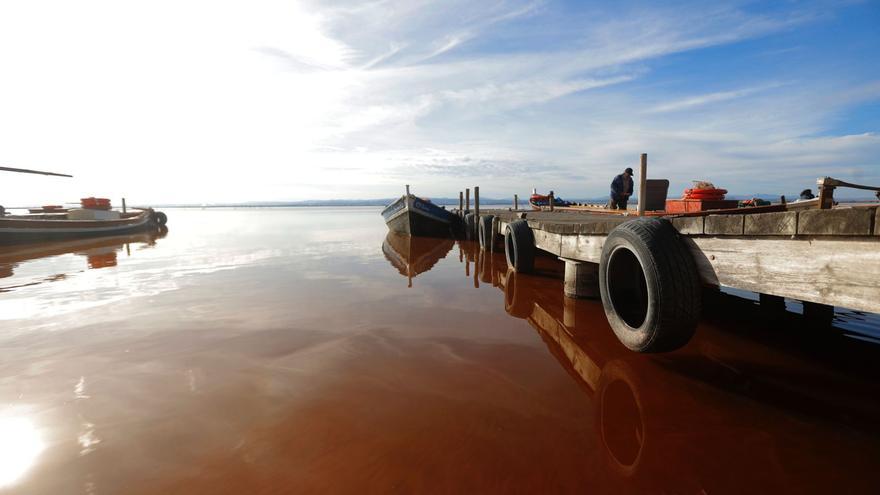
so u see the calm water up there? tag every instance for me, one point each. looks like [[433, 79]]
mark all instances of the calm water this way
[[302, 351]]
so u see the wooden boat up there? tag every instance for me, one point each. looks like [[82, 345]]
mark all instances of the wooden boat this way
[[414, 255], [16, 229], [418, 216]]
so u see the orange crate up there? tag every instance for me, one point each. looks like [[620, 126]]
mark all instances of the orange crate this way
[[693, 205]]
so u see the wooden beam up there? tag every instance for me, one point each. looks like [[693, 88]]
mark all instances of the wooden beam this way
[[643, 184]]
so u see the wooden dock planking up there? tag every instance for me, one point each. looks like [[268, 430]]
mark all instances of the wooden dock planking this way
[[828, 257]]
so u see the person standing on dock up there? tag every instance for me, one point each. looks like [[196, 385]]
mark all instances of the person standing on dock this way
[[621, 189]]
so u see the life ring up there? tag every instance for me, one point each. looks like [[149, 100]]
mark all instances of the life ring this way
[[710, 194]]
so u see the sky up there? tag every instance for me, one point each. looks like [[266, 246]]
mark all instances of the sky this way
[[267, 100]]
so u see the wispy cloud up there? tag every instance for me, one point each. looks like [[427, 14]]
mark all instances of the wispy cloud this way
[[706, 99]]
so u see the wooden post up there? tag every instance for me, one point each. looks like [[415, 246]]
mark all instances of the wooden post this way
[[467, 199], [407, 189], [477, 204], [826, 193], [551, 200], [643, 183], [515, 202], [123, 205], [460, 203]]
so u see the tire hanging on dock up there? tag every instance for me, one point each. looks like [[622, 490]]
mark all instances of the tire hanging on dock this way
[[160, 218], [649, 285], [519, 246], [486, 236], [470, 226]]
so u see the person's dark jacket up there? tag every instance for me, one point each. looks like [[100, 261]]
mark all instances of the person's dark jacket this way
[[621, 186]]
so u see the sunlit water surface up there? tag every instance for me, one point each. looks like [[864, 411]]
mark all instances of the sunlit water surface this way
[[303, 351]]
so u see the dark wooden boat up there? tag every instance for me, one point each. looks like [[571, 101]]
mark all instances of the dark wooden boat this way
[[15, 229], [414, 255], [417, 216]]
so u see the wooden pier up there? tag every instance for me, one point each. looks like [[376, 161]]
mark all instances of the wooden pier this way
[[823, 257]]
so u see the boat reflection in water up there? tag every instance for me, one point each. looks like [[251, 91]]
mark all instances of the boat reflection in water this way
[[100, 252], [414, 255], [732, 411]]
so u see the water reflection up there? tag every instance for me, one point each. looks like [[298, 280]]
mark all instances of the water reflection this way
[[731, 410], [20, 445], [99, 252], [414, 255]]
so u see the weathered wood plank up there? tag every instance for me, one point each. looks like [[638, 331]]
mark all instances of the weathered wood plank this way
[[877, 222], [548, 241], [849, 221], [689, 225], [837, 272], [780, 223], [723, 225], [582, 247]]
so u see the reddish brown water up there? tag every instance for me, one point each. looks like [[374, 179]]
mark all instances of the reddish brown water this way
[[290, 351]]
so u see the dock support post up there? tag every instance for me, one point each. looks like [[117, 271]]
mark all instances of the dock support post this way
[[569, 311], [467, 199], [581, 279], [123, 205], [771, 303], [551, 200], [515, 202], [818, 315], [460, 203], [643, 183]]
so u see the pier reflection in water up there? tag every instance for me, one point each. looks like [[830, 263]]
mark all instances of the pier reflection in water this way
[[731, 412], [286, 351]]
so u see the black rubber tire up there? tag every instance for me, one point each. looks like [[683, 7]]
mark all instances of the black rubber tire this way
[[652, 300], [519, 246], [160, 218], [470, 226], [486, 236]]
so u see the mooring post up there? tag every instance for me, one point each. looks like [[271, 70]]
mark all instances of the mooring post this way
[[551, 200], [515, 202], [476, 212], [407, 190], [826, 194], [123, 205], [467, 199], [477, 201], [643, 183], [460, 203], [581, 279]]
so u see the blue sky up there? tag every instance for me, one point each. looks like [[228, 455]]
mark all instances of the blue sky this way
[[203, 101]]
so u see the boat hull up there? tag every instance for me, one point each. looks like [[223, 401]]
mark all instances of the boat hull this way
[[415, 216], [22, 230]]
